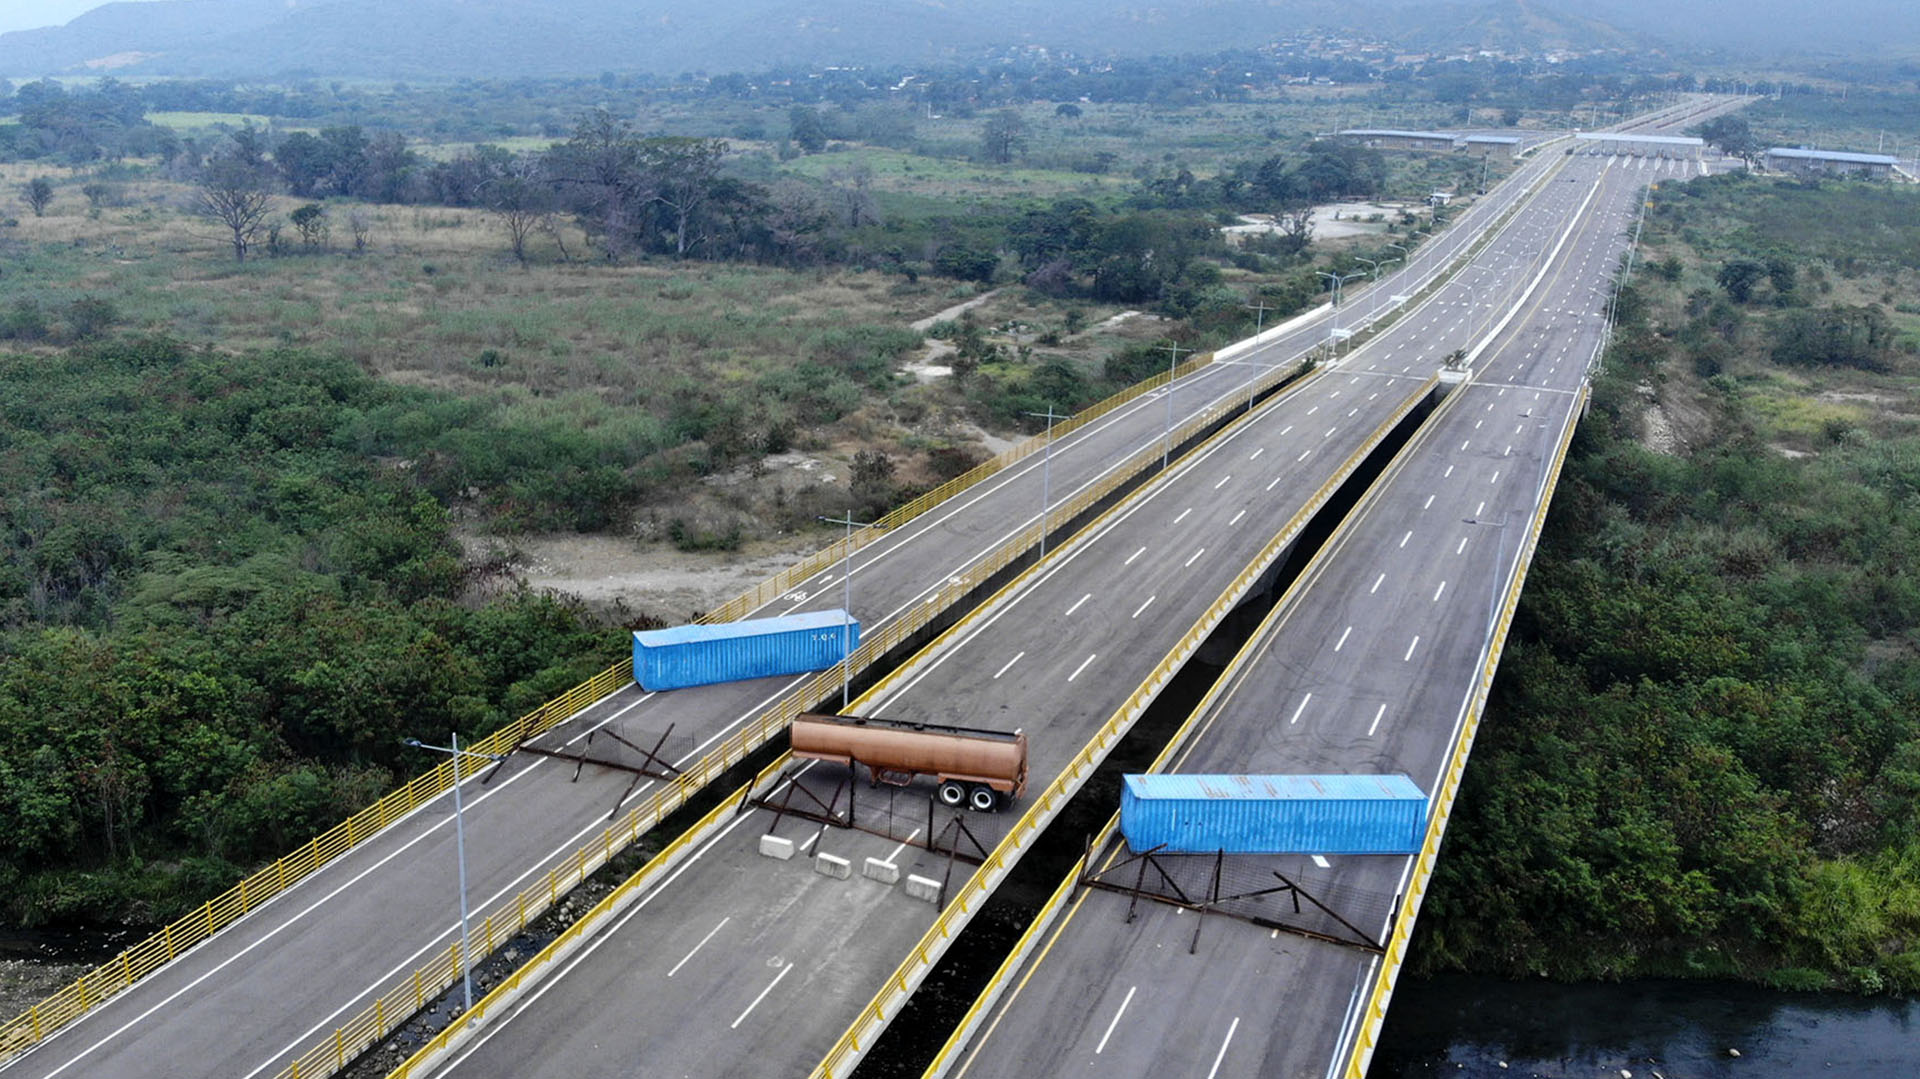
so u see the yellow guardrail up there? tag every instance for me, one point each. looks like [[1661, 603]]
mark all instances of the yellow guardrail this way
[[841, 1059], [113, 977], [1368, 1034]]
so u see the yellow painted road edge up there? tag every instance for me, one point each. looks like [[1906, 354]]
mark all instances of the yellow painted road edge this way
[[1382, 993]]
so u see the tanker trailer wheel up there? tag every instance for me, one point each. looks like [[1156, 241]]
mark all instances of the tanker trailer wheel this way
[[952, 794], [983, 799]]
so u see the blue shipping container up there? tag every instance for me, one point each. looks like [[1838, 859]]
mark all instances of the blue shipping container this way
[[730, 651], [1189, 814]]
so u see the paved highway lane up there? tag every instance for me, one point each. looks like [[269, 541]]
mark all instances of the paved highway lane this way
[[1368, 668], [742, 963]]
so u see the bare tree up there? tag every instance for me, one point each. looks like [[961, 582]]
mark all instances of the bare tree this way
[[233, 191], [38, 192], [853, 185], [600, 170], [1002, 136], [520, 201], [796, 223], [683, 170], [1296, 228], [360, 225]]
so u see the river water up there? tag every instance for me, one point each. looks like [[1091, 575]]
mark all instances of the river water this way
[[1469, 1027]]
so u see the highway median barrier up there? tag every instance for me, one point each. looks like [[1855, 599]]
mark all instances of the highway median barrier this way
[[966, 900]]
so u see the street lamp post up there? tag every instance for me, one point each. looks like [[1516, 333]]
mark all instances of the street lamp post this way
[[1373, 282], [1046, 475], [460, 848], [1333, 326], [1260, 309], [1499, 562], [1166, 441], [846, 602]]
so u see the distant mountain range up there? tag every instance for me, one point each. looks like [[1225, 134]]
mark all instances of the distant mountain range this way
[[425, 39]]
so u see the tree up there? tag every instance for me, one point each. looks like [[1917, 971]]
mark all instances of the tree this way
[[853, 187], [600, 175], [311, 220], [520, 201], [1733, 136], [683, 171], [38, 192], [304, 162], [796, 222], [233, 192], [806, 130], [1296, 228], [1783, 275], [871, 481], [1740, 276], [1002, 136]]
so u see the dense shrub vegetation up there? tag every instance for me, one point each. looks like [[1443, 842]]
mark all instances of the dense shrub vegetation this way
[[220, 613], [1703, 755]]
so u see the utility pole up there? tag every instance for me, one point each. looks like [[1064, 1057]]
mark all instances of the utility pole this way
[[1046, 476], [1166, 441], [846, 601], [460, 849]]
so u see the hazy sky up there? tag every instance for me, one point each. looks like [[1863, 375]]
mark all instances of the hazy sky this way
[[28, 14]]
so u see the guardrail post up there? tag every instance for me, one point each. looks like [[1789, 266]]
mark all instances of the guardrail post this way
[[339, 1048]]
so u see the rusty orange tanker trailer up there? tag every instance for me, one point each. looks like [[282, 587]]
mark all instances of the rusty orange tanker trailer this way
[[977, 768]]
